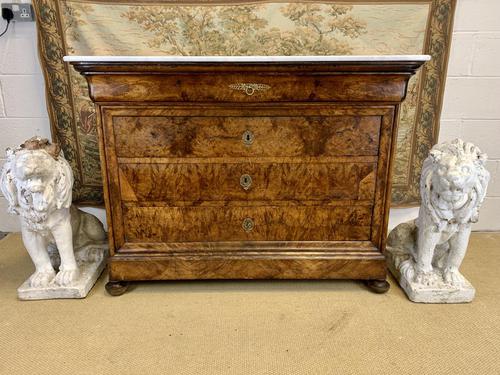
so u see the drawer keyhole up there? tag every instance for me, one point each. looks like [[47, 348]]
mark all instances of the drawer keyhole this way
[[246, 181], [248, 224], [248, 137]]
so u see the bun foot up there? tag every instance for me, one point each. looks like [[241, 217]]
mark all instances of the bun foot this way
[[378, 286], [116, 288]]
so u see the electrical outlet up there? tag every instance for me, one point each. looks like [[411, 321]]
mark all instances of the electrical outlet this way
[[23, 12]]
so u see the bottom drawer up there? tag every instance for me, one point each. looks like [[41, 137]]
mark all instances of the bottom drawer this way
[[248, 223]]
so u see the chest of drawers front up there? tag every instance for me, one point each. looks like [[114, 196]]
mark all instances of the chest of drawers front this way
[[247, 171]]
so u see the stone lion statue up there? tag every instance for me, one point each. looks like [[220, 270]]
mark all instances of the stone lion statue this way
[[36, 180], [452, 187]]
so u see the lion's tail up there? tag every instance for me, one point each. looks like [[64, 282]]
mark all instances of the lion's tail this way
[[407, 269]]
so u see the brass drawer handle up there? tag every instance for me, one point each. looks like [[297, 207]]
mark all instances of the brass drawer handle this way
[[246, 181], [248, 224], [248, 137], [249, 88]]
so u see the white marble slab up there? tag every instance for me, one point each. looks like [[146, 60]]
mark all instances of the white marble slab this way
[[343, 58]]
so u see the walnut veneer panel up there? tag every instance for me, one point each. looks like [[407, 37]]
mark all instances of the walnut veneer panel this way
[[252, 266], [222, 136], [292, 223], [204, 181], [316, 139], [197, 87]]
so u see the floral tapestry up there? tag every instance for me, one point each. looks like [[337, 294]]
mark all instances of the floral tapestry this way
[[230, 27]]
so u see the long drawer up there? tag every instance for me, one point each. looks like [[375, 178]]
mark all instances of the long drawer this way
[[265, 181], [250, 136], [247, 87], [249, 223]]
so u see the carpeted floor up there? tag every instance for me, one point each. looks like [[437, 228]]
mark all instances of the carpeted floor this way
[[284, 328]]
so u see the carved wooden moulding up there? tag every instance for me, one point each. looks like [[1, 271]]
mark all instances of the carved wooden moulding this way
[[247, 168]]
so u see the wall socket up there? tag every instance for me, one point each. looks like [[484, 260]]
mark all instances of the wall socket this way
[[23, 12]]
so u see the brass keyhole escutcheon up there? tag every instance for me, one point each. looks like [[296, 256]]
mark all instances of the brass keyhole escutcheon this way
[[248, 137], [248, 224], [245, 181], [249, 90]]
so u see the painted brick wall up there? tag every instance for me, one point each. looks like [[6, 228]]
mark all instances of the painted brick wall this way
[[471, 106], [22, 97]]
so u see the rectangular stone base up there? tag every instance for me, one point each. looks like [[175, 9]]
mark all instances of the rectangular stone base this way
[[431, 294], [438, 293], [89, 273]]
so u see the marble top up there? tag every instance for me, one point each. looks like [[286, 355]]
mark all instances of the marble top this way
[[330, 58]]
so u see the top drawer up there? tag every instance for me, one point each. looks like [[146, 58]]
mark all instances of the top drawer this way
[[247, 87], [241, 136]]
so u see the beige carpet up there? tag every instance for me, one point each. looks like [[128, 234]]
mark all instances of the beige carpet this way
[[251, 327]]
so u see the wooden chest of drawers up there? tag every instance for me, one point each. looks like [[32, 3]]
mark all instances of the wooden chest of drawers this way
[[247, 169]]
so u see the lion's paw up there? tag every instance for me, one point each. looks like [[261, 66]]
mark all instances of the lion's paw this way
[[453, 277], [42, 279], [427, 278], [66, 277]]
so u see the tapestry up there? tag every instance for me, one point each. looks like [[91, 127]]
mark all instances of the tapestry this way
[[232, 27]]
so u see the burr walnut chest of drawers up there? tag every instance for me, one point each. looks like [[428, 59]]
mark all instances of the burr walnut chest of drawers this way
[[247, 168]]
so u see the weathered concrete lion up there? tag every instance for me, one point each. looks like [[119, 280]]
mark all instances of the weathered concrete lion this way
[[36, 180], [452, 187]]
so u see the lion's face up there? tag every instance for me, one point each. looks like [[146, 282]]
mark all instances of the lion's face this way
[[454, 181], [36, 180], [455, 177], [35, 173]]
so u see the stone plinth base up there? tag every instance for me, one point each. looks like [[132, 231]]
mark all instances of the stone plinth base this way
[[90, 270], [437, 292]]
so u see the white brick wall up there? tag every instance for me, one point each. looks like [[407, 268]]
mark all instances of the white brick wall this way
[[22, 98], [471, 105], [472, 97]]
